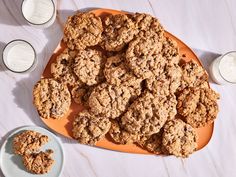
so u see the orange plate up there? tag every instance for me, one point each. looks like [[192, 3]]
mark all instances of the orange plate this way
[[64, 125]]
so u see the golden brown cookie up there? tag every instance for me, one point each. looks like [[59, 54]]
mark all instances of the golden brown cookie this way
[[88, 128], [82, 30], [120, 135], [193, 75], [28, 142], [144, 58], [88, 66], [152, 143], [118, 31], [80, 95], [146, 115], [170, 104], [179, 138], [167, 82], [148, 26], [116, 70], [170, 51], [108, 100], [38, 163], [198, 106], [51, 98], [62, 69], [117, 73]]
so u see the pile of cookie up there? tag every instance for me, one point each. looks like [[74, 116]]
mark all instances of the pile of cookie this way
[[27, 144], [131, 80]]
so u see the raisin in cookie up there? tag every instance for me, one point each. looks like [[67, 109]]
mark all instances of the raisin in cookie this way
[[167, 82], [82, 30], [152, 143], [28, 142], [120, 135], [88, 128], [38, 163], [51, 98], [62, 69], [108, 100], [146, 115], [198, 106], [179, 138], [193, 75], [118, 31], [88, 66], [144, 58]]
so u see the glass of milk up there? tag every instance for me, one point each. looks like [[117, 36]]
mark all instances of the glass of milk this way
[[223, 69], [19, 56], [39, 13]]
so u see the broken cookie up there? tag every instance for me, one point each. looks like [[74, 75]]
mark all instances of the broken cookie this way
[[28, 142], [38, 163]]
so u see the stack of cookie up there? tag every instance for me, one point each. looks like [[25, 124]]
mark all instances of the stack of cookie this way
[[129, 77]]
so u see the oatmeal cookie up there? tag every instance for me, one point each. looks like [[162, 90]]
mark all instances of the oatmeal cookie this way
[[193, 75], [28, 142], [170, 104], [144, 58], [170, 51], [179, 138], [117, 73], [62, 69], [167, 82], [118, 31], [198, 106], [148, 26], [88, 66], [89, 129], [82, 30], [38, 163], [51, 98], [146, 115], [120, 135], [108, 100], [80, 95], [152, 143], [115, 69]]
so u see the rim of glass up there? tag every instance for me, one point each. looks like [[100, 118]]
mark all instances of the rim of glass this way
[[11, 43], [54, 9], [221, 57]]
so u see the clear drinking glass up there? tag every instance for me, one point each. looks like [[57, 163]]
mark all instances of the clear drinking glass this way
[[39, 13], [19, 56], [223, 69]]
